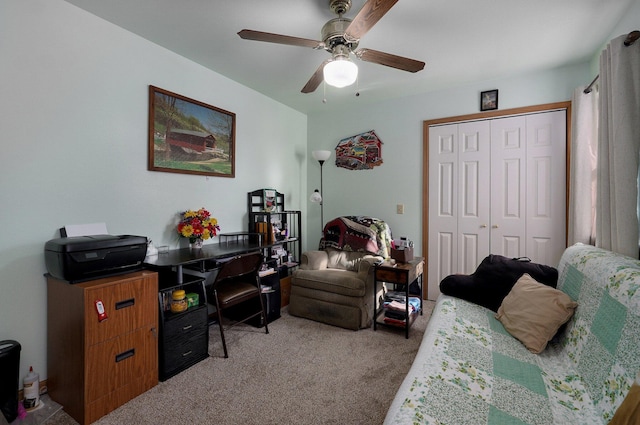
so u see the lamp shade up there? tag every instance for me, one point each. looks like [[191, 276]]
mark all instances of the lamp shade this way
[[340, 72], [316, 198], [321, 155]]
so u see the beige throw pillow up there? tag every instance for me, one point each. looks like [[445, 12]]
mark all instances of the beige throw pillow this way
[[533, 312]]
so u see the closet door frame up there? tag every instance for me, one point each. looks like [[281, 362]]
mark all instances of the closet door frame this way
[[483, 116]]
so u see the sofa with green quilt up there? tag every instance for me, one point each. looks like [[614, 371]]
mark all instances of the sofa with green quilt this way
[[547, 356]]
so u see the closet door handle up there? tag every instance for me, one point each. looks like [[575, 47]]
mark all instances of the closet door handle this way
[[483, 226], [495, 226]]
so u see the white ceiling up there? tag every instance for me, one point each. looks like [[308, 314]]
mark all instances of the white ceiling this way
[[461, 41]]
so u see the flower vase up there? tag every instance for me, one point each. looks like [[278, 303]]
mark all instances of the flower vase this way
[[197, 244]]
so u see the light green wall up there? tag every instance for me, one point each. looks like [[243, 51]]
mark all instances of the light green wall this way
[[398, 123], [73, 118], [629, 22]]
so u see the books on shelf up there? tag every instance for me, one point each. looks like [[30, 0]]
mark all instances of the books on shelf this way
[[266, 272], [266, 230], [400, 323]]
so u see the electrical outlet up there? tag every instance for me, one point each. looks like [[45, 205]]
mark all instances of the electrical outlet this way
[[400, 209]]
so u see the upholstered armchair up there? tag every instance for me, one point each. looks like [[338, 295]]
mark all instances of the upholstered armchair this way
[[334, 285]]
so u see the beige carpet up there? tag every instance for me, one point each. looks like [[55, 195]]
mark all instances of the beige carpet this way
[[302, 372]]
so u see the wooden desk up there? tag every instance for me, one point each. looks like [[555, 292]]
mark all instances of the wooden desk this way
[[399, 274]]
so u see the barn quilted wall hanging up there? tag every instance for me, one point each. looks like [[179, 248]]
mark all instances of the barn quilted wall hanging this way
[[360, 152]]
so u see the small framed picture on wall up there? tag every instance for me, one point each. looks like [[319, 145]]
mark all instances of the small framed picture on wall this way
[[489, 100]]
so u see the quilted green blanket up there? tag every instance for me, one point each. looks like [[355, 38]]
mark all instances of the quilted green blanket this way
[[470, 370]]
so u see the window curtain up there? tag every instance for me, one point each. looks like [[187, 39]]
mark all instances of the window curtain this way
[[584, 146], [618, 148]]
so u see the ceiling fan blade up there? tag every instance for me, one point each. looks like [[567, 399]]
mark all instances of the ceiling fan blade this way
[[280, 39], [387, 59], [368, 16], [315, 79]]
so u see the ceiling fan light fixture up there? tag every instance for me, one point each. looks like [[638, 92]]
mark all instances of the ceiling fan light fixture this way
[[341, 37], [340, 72]]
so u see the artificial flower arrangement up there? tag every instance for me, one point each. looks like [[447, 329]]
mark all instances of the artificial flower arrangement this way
[[197, 225]]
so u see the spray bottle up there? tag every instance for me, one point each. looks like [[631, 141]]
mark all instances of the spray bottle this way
[[31, 389]]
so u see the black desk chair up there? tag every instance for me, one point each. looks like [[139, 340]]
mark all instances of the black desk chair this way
[[238, 281]]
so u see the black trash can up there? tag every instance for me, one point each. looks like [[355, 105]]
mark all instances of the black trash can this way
[[9, 378]]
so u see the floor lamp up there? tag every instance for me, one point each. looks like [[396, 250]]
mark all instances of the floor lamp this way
[[316, 196]]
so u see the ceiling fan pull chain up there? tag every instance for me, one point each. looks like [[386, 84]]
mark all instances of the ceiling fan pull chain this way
[[324, 92]]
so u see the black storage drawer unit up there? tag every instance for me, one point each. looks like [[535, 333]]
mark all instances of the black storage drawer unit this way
[[182, 326], [184, 341], [184, 337]]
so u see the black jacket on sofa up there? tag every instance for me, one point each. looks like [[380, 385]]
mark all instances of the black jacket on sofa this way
[[494, 278]]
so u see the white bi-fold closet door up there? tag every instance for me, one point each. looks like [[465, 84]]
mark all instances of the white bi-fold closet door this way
[[496, 186]]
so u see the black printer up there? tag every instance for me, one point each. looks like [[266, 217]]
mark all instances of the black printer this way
[[80, 258]]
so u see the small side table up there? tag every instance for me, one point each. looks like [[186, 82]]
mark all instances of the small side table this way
[[398, 274]]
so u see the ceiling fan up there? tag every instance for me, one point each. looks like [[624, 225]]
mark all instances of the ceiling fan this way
[[340, 37]]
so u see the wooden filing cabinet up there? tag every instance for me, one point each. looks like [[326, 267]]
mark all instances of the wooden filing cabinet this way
[[95, 366]]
